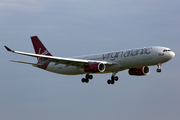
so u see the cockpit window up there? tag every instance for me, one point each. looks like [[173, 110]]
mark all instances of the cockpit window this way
[[166, 50]]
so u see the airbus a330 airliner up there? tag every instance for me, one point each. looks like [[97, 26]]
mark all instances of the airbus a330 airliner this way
[[136, 60]]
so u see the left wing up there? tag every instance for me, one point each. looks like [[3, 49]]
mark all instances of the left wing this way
[[60, 60]]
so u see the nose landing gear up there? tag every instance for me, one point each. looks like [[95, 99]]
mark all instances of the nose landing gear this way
[[158, 69]]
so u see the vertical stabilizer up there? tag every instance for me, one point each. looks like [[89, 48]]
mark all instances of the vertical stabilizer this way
[[40, 49]]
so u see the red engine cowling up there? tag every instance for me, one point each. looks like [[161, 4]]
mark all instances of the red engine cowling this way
[[94, 68], [139, 71]]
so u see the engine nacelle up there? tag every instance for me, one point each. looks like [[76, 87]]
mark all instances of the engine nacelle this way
[[139, 71], [94, 68]]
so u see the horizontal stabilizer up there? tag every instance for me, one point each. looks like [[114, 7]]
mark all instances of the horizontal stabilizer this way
[[34, 64]]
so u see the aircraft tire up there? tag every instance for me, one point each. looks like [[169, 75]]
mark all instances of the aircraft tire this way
[[87, 80], [112, 77], [116, 78], [83, 80], [109, 82], [112, 82], [158, 70], [90, 77]]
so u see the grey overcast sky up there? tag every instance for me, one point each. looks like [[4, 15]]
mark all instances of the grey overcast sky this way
[[78, 27]]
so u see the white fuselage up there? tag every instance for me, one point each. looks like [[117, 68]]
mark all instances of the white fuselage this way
[[124, 59]]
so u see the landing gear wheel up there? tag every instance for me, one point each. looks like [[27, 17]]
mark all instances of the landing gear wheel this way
[[87, 76], [116, 78], [109, 82], [87, 80], [90, 77], [158, 70], [83, 80], [113, 78], [112, 82]]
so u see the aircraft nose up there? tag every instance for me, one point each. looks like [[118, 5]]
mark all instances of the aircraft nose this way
[[171, 55]]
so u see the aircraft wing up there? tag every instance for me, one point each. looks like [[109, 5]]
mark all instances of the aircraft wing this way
[[60, 60]]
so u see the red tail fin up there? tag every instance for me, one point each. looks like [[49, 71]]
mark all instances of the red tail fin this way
[[39, 47]]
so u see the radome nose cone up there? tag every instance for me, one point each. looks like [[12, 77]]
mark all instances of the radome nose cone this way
[[172, 54]]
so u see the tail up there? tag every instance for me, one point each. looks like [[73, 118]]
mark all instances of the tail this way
[[39, 47]]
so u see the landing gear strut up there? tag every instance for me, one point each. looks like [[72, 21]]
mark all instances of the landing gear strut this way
[[86, 79], [158, 69], [113, 78]]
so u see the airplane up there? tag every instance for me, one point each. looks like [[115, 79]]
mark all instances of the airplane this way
[[136, 60]]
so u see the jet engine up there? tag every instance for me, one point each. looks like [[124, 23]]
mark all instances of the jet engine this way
[[94, 68], [139, 71]]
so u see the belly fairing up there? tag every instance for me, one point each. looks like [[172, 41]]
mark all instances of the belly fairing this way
[[63, 69]]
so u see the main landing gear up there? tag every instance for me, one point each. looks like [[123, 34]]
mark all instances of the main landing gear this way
[[158, 69], [110, 81], [113, 79], [87, 78]]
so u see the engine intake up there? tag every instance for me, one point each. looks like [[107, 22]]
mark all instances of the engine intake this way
[[94, 68], [139, 71]]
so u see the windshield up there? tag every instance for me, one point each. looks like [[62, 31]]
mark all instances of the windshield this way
[[166, 50]]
